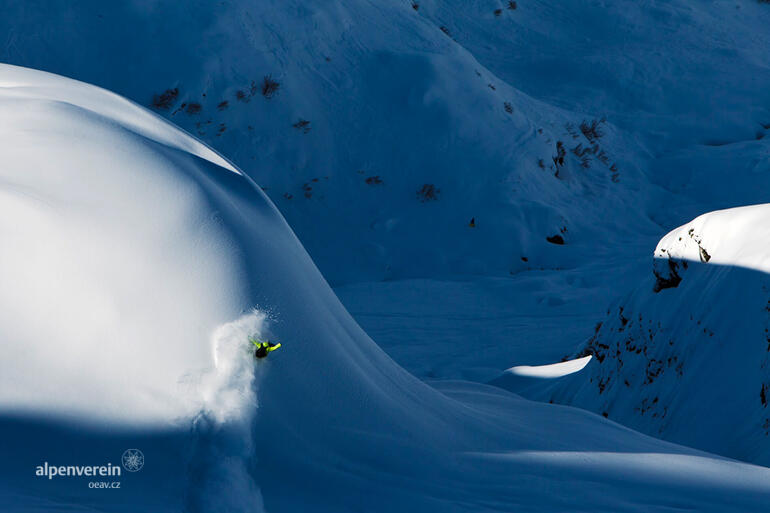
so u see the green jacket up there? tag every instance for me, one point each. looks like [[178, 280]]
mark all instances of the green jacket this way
[[263, 348]]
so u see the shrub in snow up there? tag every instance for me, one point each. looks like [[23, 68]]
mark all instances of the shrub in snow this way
[[591, 130], [558, 160], [269, 87], [428, 192], [166, 99], [302, 124]]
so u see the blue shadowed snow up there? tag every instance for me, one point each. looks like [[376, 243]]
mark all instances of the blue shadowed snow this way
[[135, 258]]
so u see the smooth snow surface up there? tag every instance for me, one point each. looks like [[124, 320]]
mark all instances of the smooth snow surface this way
[[112, 248], [519, 378], [129, 330], [552, 370], [734, 237]]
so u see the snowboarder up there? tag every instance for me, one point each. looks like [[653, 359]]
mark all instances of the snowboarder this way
[[263, 348]]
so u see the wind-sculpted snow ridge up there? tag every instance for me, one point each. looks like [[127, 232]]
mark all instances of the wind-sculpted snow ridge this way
[[131, 268], [120, 271], [25, 86], [686, 357], [518, 378]]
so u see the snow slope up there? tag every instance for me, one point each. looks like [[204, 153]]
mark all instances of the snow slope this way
[[393, 104], [688, 82], [675, 74], [733, 237], [62, 249], [686, 354], [393, 99], [136, 258]]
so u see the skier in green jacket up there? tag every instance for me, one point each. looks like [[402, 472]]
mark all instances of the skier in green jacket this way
[[263, 348]]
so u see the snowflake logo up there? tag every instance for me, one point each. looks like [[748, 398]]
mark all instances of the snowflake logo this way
[[133, 460]]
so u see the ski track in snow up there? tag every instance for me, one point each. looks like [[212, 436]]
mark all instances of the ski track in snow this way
[[229, 391], [222, 446]]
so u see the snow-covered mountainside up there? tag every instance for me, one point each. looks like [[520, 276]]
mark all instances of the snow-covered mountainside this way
[[414, 146], [390, 148], [685, 356], [380, 130], [482, 183], [136, 258]]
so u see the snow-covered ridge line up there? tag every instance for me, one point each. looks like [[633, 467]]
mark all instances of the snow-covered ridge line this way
[[733, 237], [23, 84]]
